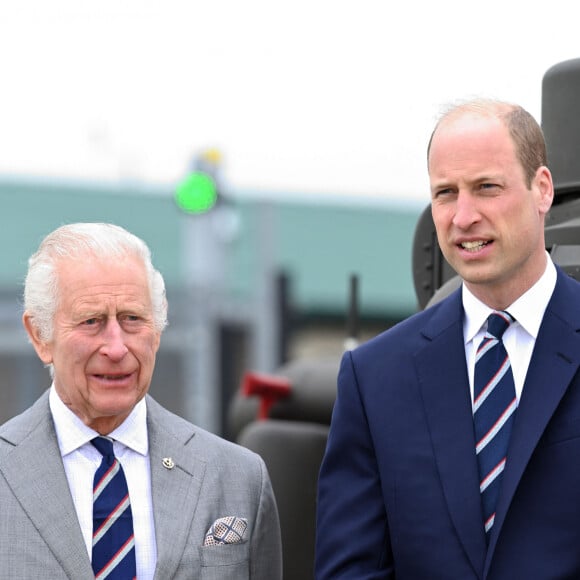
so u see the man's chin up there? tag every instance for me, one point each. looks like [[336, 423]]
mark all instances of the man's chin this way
[[113, 408], [105, 420]]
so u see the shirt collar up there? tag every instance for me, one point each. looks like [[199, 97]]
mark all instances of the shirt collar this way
[[528, 309], [72, 433]]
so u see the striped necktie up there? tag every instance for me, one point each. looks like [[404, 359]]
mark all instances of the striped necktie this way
[[113, 540], [494, 405]]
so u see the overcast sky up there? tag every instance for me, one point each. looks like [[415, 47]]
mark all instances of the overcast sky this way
[[305, 96]]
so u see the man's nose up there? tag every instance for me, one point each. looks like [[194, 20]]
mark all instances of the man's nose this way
[[466, 211], [114, 340]]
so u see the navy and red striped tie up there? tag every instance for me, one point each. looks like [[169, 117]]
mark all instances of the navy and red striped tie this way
[[494, 405], [113, 540]]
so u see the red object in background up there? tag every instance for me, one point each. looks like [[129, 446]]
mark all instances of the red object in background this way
[[269, 388]]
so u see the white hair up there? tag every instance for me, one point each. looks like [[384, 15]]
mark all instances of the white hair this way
[[41, 287]]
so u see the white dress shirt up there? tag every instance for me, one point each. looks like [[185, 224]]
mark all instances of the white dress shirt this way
[[81, 460], [519, 339]]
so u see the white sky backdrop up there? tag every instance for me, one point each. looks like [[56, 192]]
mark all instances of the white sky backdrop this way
[[304, 96]]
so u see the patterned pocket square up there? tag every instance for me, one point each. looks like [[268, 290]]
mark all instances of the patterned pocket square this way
[[226, 530]]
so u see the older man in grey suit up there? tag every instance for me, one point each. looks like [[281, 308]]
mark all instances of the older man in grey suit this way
[[96, 478]]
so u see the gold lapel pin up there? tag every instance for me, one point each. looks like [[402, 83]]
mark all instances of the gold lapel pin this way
[[168, 463]]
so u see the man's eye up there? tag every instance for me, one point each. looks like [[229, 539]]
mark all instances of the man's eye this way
[[131, 318], [90, 321]]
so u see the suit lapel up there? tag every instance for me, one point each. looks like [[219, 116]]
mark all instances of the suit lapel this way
[[35, 473], [446, 398], [176, 479], [554, 363]]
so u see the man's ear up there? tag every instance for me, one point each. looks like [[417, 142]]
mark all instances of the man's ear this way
[[43, 349], [545, 187]]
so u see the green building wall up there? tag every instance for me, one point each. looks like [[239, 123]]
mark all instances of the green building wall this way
[[317, 243]]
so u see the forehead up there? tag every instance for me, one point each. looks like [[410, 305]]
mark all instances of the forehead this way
[[471, 139], [93, 279]]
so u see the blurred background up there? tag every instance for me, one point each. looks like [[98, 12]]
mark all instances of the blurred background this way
[[311, 119]]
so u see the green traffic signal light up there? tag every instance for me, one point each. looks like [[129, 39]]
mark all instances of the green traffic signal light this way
[[196, 194]]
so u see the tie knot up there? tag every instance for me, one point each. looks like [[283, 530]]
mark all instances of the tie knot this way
[[105, 447], [497, 323]]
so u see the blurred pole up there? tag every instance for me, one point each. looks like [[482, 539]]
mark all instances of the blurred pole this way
[[284, 317], [201, 265], [206, 238], [352, 319], [266, 335]]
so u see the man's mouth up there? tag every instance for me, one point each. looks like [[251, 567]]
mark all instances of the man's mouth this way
[[474, 246], [113, 377]]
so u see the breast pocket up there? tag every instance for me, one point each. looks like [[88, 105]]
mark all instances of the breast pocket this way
[[225, 562]]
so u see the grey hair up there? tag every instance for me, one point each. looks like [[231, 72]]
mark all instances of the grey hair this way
[[41, 289]]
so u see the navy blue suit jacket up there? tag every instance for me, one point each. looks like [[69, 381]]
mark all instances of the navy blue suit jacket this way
[[398, 490]]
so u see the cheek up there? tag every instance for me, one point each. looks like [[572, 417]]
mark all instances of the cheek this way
[[78, 352], [443, 226], [522, 222], [442, 216], [154, 345], [147, 351], [74, 357]]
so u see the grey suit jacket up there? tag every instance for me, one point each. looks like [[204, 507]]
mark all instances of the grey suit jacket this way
[[40, 536]]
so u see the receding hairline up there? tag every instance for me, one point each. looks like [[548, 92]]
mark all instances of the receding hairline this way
[[492, 109]]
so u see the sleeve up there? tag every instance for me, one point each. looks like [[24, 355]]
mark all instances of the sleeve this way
[[352, 536], [266, 542]]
